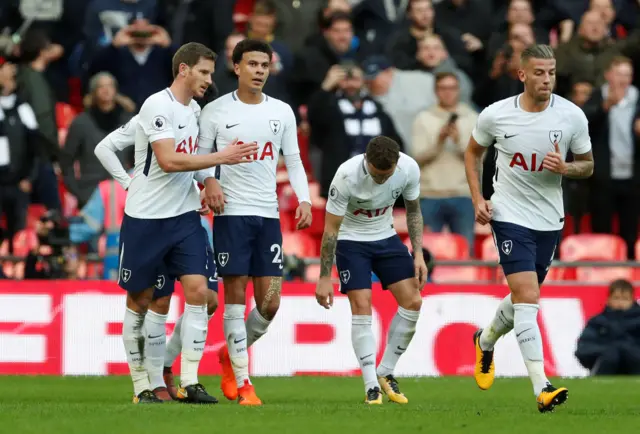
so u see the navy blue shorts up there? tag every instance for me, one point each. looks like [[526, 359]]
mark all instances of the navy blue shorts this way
[[247, 246], [149, 248], [389, 259], [165, 286], [524, 249]]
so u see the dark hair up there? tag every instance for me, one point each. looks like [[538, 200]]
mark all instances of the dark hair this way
[[335, 17], [538, 51], [190, 54], [445, 74], [249, 45], [620, 285], [265, 7], [383, 152], [33, 42]]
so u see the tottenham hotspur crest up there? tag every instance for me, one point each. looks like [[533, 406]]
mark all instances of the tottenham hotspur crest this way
[[223, 258], [345, 276], [507, 246], [555, 136], [275, 126]]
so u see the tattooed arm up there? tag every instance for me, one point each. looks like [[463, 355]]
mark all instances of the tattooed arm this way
[[414, 224], [329, 240], [581, 167]]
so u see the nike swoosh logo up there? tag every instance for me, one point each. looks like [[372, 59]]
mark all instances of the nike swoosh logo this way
[[134, 353], [362, 358], [153, 337], [197, 342], [401, 349], [231, 126], [362, 201], [211, 279], [237, 341], [508, 137], [181, 126], [518, 334]]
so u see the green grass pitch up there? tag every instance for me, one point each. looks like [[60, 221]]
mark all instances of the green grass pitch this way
[[309, 405]]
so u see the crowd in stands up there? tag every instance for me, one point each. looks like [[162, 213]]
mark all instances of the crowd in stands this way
[[416, 70]]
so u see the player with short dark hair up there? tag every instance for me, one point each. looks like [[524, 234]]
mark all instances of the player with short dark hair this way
[[161, 228], [359, 232], [246, 235], [532, 133]]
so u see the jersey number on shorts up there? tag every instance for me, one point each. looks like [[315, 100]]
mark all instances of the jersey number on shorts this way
[[277, 259]]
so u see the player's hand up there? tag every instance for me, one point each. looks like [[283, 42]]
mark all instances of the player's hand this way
[[213, 196], [554, 161], [484, 211], [303, 215], [421, 270], [237, 153], [324, 292]]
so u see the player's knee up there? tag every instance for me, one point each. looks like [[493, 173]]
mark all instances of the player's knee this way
[[360, 302], [414, 303], [196, 293], [269, 309], [141, 301], [161, 305]]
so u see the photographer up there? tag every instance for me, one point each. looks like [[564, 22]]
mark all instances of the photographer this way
[[53, 257]]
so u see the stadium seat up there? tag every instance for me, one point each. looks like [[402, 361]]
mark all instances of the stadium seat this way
[[65, 114], [312, 273], [596, 247], [400, 222], [24, 241], [448, 247], [34, 212], [299, 244]]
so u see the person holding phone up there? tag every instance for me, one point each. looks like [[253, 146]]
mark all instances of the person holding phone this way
[[440, 135]]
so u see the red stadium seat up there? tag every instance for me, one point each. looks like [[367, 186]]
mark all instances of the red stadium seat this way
[[65, 114], [400, 222], [312, 273], [596, 247], [299, 244], [24, 241], [448, 247]]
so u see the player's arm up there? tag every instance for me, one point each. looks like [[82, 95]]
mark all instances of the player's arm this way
[[411, 195], [473, 167], [580, 145], [481, 138], [581, 167], [335, 210], [117, 140]]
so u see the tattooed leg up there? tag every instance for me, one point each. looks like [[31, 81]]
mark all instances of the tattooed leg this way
[[267, 297]]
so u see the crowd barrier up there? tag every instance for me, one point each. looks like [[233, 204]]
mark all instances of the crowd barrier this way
[[73, 328]]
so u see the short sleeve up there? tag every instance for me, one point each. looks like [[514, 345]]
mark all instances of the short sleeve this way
[[208, 124], [339, 195], [125, 136], [289, 134], [412, 188], [483, 132], [156, 119], [580, 140]]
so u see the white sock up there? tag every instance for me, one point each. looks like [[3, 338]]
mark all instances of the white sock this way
[[175, 344], [530, 342], [155, 342], [193, 335], [401, 331], [133, 340], [501, 324], [364, 345], [236, 333], [256, 326]]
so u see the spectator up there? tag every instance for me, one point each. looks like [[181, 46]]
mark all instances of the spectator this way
[[105, 112], [301, 22], [139, 57], [403, 45], [36, 53], [18, 153], [343, 119], [315, 60], [610, 342], [322, 16], [374, 20], [402, 94], [440, 137], [262, 24], [224, 76], [614, 114], [433, 58]]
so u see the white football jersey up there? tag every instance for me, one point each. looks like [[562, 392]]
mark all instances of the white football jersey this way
[[250, 188], [367, 206], [153, 193], [525, 193]]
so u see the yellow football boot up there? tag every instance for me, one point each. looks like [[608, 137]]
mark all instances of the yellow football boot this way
[[374, 396], [390, 388], [550, 397], [484, 371]]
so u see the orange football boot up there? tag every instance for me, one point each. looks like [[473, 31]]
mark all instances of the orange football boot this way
[[228, 380], [247, 395]]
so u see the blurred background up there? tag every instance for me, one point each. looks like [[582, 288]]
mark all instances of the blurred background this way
[[419, 71]]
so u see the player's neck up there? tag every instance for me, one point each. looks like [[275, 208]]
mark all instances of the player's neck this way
[[181, 93], [528, 104], [248, 97]]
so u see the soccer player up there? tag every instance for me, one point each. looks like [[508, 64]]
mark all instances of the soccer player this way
[[532, 132], [359, 231], [161, 226], [246, 235], [162, 383]]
